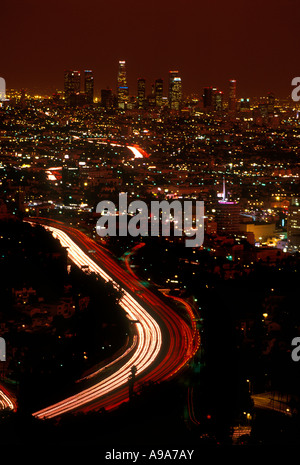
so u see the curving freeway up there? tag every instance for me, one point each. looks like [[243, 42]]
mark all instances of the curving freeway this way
[[7, 401], [163, 341]]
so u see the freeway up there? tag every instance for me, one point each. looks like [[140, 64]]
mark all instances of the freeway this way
[[163, 344], [6, 400]]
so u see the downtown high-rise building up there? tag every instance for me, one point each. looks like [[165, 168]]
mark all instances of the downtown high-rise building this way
[[122, 88], [207, 97], [141, 93], [232, 95], [159, 89], [72, 80], [175, 90], [107, 98], [89, 86], [293, 225], [271, 103], [212, 99], [228, 217], [217, 100]]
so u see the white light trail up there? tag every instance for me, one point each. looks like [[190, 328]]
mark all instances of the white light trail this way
[[5, 401], [148, 332], [135, 151]]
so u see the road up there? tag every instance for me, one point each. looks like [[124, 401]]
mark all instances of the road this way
[[272, 401], [6, 400], [164, 341]]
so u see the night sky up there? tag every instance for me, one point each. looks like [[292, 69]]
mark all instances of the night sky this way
[[255, 42]]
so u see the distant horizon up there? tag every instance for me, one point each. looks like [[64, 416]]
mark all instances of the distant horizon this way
[[47, 90]]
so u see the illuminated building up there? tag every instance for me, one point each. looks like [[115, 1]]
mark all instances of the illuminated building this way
[[122, 88], [159, 85], [207, 97], [228, 217], [232, 95], [217, 100], [293, 226], [141, 93], [261, 230], [212, 99], [175, 90], [71, 86], [89, 86], [263, 109], [244, 104]]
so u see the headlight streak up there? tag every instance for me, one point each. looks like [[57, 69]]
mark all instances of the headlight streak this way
[[149, 339], [156, 360], [5, 401]]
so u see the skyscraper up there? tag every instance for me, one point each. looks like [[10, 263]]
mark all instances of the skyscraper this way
[[207, 97], [228, 217], [212, 98], [71, 85], [89, 86], [122, 88], [293, 226], [175, 90], [271, 102], [141, 93], [159, 87], [217, 100], [107, 100], [232, 95]]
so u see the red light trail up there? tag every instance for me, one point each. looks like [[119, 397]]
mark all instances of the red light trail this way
[[164, 342]]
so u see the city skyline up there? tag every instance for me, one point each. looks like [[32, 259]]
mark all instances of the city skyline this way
[[208, 44], [150, 86], [145, 93]]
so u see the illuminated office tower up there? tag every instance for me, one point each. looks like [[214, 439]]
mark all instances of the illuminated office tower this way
[[175, 90], [141, 90], [293, 226], [159, 87], [71, 85], [122, 88], [228, 217], [227, 214], [212, 99], [172, 75], [232, 95], [217, 100], [89, 86]]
